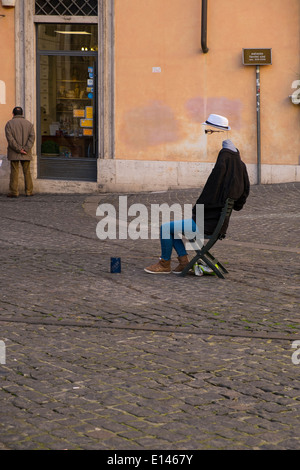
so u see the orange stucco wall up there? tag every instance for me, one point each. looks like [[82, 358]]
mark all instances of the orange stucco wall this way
[[7, 70], [158, 116]]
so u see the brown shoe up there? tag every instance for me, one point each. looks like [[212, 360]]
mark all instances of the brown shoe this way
[[162, 267], [12, 195], [183, 262]]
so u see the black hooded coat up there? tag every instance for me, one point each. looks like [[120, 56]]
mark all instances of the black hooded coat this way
[[228, 179]]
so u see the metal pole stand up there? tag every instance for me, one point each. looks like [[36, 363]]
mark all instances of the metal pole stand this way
[[258, 124]]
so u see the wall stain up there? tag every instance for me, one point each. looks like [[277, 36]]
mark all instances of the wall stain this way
[[197, 107], [150, 125]]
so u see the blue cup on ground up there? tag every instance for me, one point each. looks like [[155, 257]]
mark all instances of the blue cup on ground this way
[[115, 265]]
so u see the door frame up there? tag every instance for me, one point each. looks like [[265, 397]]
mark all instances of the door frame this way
[[26, 67]]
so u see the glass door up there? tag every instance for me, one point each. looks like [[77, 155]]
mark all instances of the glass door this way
[[67, 111]]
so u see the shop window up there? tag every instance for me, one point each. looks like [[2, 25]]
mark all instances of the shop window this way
[[67, 7], [67, 101]]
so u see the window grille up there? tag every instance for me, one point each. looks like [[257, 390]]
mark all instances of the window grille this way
[[67, 7]]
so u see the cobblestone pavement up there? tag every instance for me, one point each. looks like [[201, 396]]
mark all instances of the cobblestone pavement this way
[[95, 360]]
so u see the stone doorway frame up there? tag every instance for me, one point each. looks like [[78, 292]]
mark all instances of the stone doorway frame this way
[[25, 50]]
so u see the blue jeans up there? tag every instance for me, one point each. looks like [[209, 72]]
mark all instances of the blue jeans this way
[[169, 237]]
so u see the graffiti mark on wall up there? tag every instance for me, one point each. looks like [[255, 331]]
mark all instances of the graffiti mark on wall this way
[[2, 92]]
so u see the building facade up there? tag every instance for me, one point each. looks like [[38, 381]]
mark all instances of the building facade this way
[[118, 89], [7, 85]]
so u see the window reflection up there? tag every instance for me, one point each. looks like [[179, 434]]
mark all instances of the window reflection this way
[[67, 99], [62, 37]]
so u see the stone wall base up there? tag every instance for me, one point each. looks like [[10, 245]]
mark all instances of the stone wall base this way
[[136, 176], [131, 176]]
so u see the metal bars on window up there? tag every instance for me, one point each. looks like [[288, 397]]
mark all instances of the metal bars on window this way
[[66, 7]]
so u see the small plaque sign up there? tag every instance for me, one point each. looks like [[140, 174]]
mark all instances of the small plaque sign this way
[[257, 56]]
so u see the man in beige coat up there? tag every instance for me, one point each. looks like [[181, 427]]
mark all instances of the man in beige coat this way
[[20, 138]]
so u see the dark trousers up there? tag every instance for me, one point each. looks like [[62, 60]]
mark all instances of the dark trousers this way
[[14, 177]]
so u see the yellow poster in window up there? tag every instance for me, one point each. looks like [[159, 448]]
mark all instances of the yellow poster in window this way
[[79, 113], [89, 112], [88, 132], [86, 122]]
